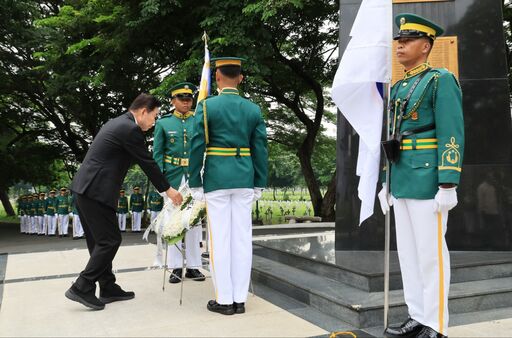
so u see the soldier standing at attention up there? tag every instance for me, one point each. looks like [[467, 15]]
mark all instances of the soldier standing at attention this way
[[33, 214], [51, 210], [155, 204], [122, 210], [428, 128], [231, 130], [41, 219], [171, 150], [136, 207], [21, 212], [63, 212]]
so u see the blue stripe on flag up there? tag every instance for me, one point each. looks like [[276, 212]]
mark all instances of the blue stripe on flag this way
[[380, 88]]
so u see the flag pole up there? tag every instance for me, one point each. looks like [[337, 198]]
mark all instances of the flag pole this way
[[387, 223]]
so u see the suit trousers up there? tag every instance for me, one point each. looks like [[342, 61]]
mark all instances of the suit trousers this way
[[230, 231], [424, 261], [103, 240]]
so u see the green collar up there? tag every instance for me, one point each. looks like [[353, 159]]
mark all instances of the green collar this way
[[229, 90], [416, 70], [183, 116]]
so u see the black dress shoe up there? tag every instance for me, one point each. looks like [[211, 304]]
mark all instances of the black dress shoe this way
[[220, 308], [410, 328], [114, 293], [239, 307], [428, 332], [175, 276], [205, 254], [85, 298], [195, 274]]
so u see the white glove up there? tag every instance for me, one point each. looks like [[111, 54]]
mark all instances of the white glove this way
[[445, 200], [198, 194], [257, 194], [385, 203]]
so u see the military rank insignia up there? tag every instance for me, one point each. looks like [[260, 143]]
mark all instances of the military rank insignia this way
[[451, 159], [414, 115]]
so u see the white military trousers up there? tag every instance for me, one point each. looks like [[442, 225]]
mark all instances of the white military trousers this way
[[78, 230], [192, 254], [121, 219], [424, 261], [230, 233], [136, 221]]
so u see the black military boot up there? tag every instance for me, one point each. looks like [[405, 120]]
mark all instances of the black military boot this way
[[410, 328], [175, 276], [114, 293], [220, 308], [428, 332], [239, 307], [195, 274]]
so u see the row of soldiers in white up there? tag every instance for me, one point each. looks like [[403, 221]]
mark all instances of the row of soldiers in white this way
[[48, 225]]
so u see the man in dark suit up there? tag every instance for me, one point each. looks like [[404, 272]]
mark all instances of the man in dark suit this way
[[119, 143]]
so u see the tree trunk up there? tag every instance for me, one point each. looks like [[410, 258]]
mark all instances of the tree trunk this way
[[311, 181], [4, 197], [328, 213]]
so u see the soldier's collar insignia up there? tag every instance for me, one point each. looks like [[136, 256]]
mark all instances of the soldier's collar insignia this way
[[183, 116], [229, 90], [416, 70]]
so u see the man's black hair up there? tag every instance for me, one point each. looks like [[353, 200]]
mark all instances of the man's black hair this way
[[145, 101], [230, 71]]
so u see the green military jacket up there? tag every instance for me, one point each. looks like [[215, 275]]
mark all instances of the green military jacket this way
[[72, 203], [432, 157], [51, 206], [171, 145], [35, 207], [62, 205], [21, 207], [231, 130], [155, 201], [122, 205], [32, 207], [41, 209], [136, 202]]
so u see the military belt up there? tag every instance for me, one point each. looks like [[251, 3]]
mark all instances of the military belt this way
[[177, 161], [418, 144], [218, 151]]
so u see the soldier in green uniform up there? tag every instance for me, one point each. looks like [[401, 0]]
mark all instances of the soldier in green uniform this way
[[63, 210], [51, 212], [155, 204], [122, 210], [427, 131], [22, 201], [136, 207], [231, 131], [171, 150], [41, 231]]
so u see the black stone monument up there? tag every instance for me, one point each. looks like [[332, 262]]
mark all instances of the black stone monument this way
[[483, 218]]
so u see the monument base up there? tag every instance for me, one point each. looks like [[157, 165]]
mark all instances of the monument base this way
[[349, 284]]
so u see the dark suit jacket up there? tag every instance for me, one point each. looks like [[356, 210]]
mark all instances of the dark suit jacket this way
[[118, 145]]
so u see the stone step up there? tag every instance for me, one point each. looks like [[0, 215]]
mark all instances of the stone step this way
[[466, 267], [365, 309]]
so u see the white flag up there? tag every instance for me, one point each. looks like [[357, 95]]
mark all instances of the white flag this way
[[357, 90]]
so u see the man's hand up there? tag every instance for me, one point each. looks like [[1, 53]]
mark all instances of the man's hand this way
[[257, 194], [174, 195], [445, 200], [198, 194], [385, 203]]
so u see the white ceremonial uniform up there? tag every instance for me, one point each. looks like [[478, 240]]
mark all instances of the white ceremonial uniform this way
[[230, 231], [63, 224], [136, 221], [78, 230], [52, 224], [121, 219], [420, 235], [41, 225]]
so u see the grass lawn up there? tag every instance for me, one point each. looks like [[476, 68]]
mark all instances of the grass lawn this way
[[5, 218]]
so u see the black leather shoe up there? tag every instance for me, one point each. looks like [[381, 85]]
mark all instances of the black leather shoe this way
[[195, 274], [114, 293], [410, 328], [239, 307], [205, 254], [85, 298], [220, 308], [175, 276], [428, 332]]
